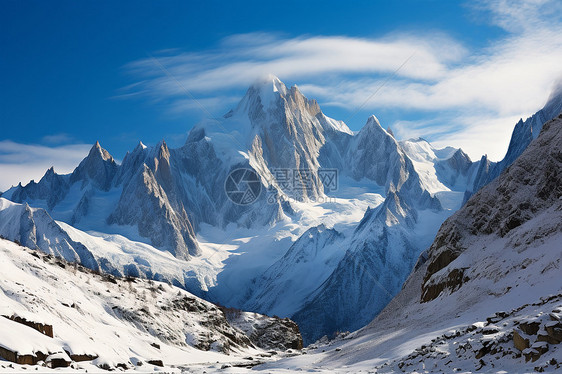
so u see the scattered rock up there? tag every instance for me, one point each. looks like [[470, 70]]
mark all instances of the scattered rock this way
[[491, 329], [82, 357], [498, 316], [530, 328], [58, 360], [520, 342], [156, 362], [554, 330], [531, 354]]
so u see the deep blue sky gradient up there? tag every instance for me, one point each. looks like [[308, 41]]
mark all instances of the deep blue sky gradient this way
[[62, 63]]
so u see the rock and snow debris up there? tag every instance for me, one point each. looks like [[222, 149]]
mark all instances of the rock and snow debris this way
[[494, 346]]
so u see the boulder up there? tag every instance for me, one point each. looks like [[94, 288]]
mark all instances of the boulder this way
[[83, 357], [544, 337], [26, 359], [58, 360], [519, 341], [554, 330], [535, 351], [531, 355], [530, 328], [156, 362]]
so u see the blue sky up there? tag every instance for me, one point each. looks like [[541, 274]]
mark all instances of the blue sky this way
[[74, 72]]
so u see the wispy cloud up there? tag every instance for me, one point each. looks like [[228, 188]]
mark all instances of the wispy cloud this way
[[24, 162], [61, 138], [445, 82]]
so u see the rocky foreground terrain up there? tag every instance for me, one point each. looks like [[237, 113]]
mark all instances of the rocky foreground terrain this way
[[60, 314]]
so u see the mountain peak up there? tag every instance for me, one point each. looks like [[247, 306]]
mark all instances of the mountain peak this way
[[372, 120], [269, 88], [162, 150], [270, 80], [97, 151], [49, 174], [99, 166], [373, 126], [390, 132], [553, 105]]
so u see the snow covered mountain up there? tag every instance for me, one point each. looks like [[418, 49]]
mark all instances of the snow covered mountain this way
[[379, 255], [316, 252], [53, 312], [35, 229], [272, 128], [486, 296], [375, 154], [109, 253]]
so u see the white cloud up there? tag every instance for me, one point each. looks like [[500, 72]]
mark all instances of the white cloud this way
[[24, 162], [444, 80], [243, 58]]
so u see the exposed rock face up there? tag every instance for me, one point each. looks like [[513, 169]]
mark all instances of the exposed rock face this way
[[376, 155], [531, 184], [145, 203], [288, 131], [98, 168], [41, 327], [271, 333], [520, 342]]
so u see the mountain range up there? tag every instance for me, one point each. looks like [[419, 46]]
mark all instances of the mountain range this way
[[486, 295], [330, 256]]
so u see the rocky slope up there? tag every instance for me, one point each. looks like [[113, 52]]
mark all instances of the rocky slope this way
[[533, 184], [377, 260], [487, 295], [100, 321]]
